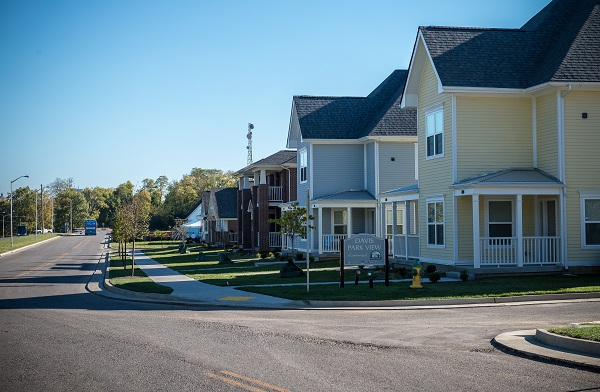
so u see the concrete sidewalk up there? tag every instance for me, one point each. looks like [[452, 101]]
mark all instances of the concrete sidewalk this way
[[187, 288]]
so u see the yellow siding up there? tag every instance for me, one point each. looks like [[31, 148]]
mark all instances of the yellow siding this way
[[435, 175], [582, 161], [465, 229], [547, 133], [493, 134], [528, 215]]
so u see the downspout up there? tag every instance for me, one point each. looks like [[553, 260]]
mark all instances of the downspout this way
[[563, 202]]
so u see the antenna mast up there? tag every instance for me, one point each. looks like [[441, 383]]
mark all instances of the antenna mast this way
[[249, 147]]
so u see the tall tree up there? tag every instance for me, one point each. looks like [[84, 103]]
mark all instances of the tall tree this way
[[132, 221], [60, 185]]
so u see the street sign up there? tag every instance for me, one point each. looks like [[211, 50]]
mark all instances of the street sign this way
[[364, 249]]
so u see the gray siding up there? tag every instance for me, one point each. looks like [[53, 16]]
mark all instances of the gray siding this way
[[340, 167], [358, 220], [301, 191], [371, 169], [401, 171]]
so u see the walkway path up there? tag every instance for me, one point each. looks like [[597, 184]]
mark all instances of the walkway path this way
[[188, 288]]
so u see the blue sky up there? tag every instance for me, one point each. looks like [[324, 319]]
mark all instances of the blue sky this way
[[115, 90]]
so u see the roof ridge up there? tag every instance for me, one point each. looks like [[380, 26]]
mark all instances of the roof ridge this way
[[473, 28]]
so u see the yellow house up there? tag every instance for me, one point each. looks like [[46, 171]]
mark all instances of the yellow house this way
[[508, 131]]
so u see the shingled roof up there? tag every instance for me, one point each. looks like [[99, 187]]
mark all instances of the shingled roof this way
[[226, 202], [559, 44], [280, 158], [378, 114]]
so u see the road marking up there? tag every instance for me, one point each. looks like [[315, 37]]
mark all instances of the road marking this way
[[234, 298], [236, 379], [20, 275]]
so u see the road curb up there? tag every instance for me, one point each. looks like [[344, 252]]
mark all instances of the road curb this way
[[525, 343]]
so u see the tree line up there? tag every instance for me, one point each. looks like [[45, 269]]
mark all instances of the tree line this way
[[60, 202]]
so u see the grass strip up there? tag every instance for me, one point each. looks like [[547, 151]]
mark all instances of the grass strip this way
[[22, 241], [583, 332], [140, 282]]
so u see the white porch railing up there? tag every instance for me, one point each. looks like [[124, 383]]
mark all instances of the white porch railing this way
[[399, 246], [275, 240], [536, 251], [330, 243], [498, 251], [275, 193], [541, 250]]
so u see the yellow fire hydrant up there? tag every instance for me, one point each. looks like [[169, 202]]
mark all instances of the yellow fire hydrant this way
[[416, 276]]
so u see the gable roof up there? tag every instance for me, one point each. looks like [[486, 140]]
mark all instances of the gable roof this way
[[357, 117], [283, 158], [226, 199], [559, 44], [518, 176]]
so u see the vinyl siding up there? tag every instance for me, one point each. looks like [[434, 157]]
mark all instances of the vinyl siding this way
[[547, 134], [400, 172], [371, 169], [302, 187], [465, 229], [582, 144], [338, 167], [493, 134], [435, 175]]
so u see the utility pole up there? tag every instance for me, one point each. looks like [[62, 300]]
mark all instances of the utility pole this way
[[71, 223], [42, 201]]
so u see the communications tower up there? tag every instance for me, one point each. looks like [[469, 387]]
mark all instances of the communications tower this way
[[249, 136]]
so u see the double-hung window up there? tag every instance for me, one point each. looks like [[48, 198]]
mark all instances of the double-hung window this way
[[500, 222], [434, 124], [435, 223], [340, 222], [590, 206], [390, 221], [303, 166]]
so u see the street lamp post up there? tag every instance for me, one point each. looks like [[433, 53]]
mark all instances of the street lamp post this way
[[36, 216], [11, 209]]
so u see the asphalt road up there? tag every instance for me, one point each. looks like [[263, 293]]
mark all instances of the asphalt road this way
[[56, 336]]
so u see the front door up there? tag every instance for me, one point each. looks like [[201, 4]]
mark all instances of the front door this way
[[548, 215], [548, 246]]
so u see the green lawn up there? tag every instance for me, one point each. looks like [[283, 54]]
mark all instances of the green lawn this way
[[21, 241], [244, 274], [584, 332], [121, 278]]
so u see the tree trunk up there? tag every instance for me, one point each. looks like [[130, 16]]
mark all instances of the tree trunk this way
[[133, 258], [124, 254]]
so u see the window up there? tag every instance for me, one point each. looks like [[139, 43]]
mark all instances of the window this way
[[500, 222], [435, 223], [340, 222], [303, 159], [591, 222], [434, 124], [399, 221]]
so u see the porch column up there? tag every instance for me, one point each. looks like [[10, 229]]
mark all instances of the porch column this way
[[519, 230], [394, 223], [349, 222], [382, 220], [263, 176], [476, 239], [406, 226], [320, 232]]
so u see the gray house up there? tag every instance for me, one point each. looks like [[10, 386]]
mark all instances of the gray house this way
[[349, 151]]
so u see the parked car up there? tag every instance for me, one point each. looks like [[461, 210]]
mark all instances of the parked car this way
[[21, 230], [37, 231], [47, 231]]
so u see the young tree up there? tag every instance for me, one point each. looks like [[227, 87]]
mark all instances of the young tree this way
[[133, 221], [293, 222]]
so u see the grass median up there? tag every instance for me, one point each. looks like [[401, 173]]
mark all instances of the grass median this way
[[246, 276], [587, 332], [121, 277]]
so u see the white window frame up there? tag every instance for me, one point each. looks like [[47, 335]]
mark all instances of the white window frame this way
[[487, 215], [583, 197], [433, 111], [303, 164], [436, 200], [333, 224]]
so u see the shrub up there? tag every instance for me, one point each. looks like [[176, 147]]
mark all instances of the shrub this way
[[299, 256], [464, 275], [311, 258], [403, 272], [289, 259], [434, 277], [283, 257], [431, 268]]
